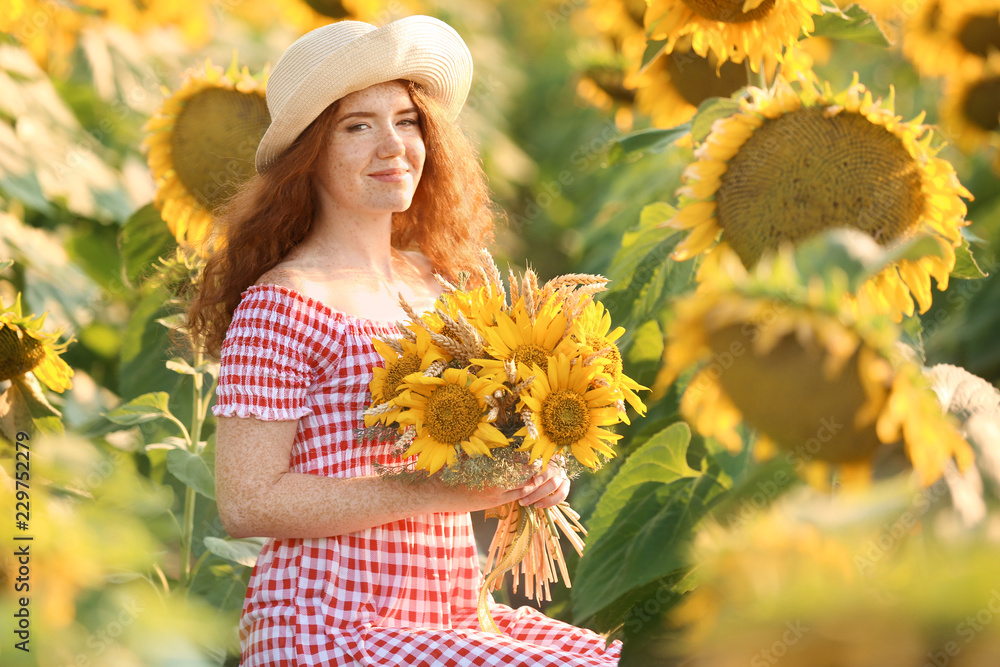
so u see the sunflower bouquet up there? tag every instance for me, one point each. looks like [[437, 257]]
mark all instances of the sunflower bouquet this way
[[489, 388]]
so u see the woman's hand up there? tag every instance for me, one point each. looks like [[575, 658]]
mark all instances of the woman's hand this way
[[546, 488]]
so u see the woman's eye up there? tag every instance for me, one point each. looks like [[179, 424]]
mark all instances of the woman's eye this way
[[409, 121], [355, 128]]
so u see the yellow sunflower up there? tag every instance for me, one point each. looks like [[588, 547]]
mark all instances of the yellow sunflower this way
[[792, 163], [594, 334], [732, 29], [50, 30], [387, 381], [824, 386], [944, 38], [618, 28], [201, 146], [602, 85], [449, 413], [25, 348], [670, 89], [970, 108], [567, 407], [526, 341]]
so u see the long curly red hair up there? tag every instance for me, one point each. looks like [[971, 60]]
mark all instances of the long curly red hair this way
[[449, 220]]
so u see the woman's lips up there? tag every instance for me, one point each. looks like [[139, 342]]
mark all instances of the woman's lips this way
[[389, 175]]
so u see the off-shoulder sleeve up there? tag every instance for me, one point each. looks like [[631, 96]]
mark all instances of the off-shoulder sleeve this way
[[269, 358]]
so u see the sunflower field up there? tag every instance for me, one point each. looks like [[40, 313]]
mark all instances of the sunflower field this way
[[797, 206]]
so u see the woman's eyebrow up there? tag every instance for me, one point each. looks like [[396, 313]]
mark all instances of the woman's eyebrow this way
[[369, 114]]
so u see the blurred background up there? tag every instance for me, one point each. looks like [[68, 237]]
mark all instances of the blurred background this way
[[129, 562]]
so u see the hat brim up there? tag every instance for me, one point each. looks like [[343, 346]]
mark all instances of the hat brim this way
[[421, 49]]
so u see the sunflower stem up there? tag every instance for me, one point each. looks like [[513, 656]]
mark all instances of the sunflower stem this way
[[757, 79], [190, 495]]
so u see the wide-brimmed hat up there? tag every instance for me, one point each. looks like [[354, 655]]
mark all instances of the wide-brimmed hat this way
[[330, 62]]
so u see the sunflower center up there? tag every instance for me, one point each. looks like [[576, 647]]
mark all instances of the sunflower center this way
[[452, 414], [694, 77], [636, 10], [332, 8], [785, 395], [981, 34], [613, 355], [612, 81], [728, 11], [565, 417], [982, 104], [214, 141], [395, 372], [803, 173], [18, 354], [529, 354]]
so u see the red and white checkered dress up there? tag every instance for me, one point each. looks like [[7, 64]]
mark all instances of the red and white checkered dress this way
[[403, 593]]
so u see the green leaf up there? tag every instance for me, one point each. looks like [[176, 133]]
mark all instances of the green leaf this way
[[26, 189], [652, 214], [144, 347], [653, 50], [145, 238], [142, 409], [710, 111], [965, 264], [193, 470], [642, 272], [654, 140], [643, 525], [854, 24], [662, 458], [243, 551], [649, 538], [6, 264]]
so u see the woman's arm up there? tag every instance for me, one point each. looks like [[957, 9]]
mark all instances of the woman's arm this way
[[258, 496]]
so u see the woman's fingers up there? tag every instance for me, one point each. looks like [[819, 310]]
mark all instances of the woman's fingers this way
[[556, 497], [545, 489]]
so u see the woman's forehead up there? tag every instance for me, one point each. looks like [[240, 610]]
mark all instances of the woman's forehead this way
[[390, 94]]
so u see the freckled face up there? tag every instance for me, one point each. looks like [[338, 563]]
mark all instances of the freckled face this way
[[375, 153]]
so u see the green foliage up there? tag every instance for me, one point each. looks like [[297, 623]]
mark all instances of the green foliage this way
[[642, 528], [636, 144], [852, 24]]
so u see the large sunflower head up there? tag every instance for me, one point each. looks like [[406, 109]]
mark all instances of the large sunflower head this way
[[450, 414], [566, 407], [946, 37], [732, 29], [25, 348], [201, 146], [823, 385], [796, 161], [402, 357]]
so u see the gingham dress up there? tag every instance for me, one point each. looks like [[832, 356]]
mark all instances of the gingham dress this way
[[403, 593]]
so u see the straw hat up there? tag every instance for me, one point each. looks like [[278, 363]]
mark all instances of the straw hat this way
[[330, 62]]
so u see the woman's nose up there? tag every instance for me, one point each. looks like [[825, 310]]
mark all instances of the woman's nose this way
[[391, 145]]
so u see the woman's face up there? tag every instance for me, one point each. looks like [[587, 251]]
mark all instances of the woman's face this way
[[375, 153]]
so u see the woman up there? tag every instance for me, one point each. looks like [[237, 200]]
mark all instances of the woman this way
[[365, 189]]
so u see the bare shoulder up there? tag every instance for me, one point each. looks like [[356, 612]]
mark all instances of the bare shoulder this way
[[420, 262], [281, 275]]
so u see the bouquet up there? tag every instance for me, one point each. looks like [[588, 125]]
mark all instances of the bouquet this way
[[489, 388]]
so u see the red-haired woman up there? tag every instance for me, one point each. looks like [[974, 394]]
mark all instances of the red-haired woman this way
[[365, 188]]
